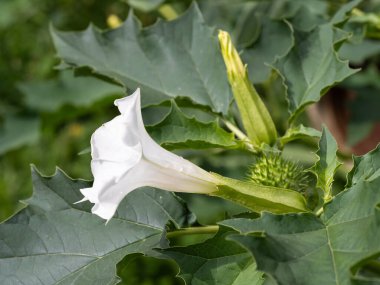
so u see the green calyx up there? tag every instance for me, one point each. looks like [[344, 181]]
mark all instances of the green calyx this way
[[273, 170], [260, 198]]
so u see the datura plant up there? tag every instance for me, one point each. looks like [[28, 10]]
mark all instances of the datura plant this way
[[125, 157], [202, 170]]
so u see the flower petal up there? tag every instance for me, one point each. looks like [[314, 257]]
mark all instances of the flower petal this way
[[176, 180], [116, 140], [130, 106], [146, 173]]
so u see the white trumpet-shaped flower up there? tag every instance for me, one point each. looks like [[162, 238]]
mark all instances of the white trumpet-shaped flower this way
[[125, 157]]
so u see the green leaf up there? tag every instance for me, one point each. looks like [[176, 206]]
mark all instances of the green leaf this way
[[260, 198], [54, 241], [167, 60], [358, 52], [341, 15], [305, 16], [325, 168], [18, 131], [365, 168], [264, 52], [50, 95], [177, 131], [305, 249], [299, 133], [367, 272], [139, 269], [311, 67], [215, 261], [239, 19]]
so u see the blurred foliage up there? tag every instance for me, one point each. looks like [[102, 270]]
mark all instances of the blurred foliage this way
[[145, 270], [27, 55], [26, 50]]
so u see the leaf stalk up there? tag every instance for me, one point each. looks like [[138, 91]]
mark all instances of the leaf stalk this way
[[208, 230]]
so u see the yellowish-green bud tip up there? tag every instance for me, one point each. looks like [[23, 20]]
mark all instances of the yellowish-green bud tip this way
[[231, 57], [255, 116]]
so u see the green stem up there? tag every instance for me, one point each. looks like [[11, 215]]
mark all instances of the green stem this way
[[240, 135], [236, 131], [320, 211], [327, 198], [193, 231]]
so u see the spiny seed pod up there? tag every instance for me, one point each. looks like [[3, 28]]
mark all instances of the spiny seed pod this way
[[273, 170]]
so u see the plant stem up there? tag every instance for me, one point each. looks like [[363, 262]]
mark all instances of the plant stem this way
[[193, 231], [236, 131], [319, 212], [239, 134]]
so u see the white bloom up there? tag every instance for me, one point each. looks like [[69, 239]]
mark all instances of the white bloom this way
[[125, 157]]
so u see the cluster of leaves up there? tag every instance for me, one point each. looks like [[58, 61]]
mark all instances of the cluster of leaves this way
[[292, 49], [36, 117]]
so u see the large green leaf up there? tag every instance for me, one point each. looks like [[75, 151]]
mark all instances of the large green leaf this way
[[260, 37], [341, 14], [311, 67], [54, 241], [177, 131], [167, 60], [305, 249], [215, 261], [18, 131], [327, 164], [50, 95], [239, 18], [276, 39]]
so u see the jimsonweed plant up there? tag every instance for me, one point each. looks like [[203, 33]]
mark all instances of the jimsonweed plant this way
[[204, 167]]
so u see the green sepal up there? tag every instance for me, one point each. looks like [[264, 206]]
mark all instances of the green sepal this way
[[260, 198]]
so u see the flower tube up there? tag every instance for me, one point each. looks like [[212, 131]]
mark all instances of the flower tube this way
[[125, 157]]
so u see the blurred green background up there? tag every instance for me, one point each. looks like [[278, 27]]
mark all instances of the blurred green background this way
[[47, 117], [54, 134]]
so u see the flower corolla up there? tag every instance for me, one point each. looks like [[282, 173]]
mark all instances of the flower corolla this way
[[125, 157]]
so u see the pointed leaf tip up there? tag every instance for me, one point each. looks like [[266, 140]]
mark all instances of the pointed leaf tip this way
[[327, 165]]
